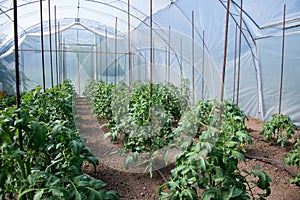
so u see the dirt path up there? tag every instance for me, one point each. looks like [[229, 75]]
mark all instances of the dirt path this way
[[133, 184]]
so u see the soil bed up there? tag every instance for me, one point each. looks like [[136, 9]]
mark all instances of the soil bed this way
[[133, 184]]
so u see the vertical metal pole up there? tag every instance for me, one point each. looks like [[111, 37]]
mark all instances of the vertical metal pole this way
[[64, 61], [181, 57], [139, 62], [50, 45], [203, 56], [132, 61], [106, 59], [169, 54], [151, 49], [78, 69], [239, 59], [42, 45], [101, 73], [16, 43], [128, 29], [96, 56], [225, 51], [60, 53], [193, 57], [145, 68], [234, 64], [116, 48], [282, 58], [56, 50], [166, 63], [153, 58]]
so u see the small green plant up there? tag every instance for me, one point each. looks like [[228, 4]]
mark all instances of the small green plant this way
[[293, 158], [211, 164], [280, 128]]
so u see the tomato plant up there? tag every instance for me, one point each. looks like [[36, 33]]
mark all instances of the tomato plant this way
[[280, 128], [293, 158], [100, 96], [48, 164], [211, 163], [143, 122], [7, 101]]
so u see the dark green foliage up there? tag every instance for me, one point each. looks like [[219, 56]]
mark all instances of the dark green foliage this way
[[48, 165], [100, 96], [7, 101], [211, 164], [142, 122], [293, 158], [280, 128]]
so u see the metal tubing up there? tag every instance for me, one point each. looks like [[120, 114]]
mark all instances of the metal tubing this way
[[96, 57], [193, 57], [56, 52], [139, 62], [64, 61], [234, 64], [166, 63], [42, 45], [181, 57], [101, 73], [282, 59], [151, 48], [60, 55], [128, 29], [50, 45], [106, 59], [145, 68], [132, 77], [239, 59], [203, 54], [78, 71], [225, 50], [169, 54], [16, 43], [116, 48]]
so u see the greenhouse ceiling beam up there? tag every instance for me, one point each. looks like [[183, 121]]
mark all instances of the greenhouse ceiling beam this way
[[245, 24], [281, 23], [75, 51]]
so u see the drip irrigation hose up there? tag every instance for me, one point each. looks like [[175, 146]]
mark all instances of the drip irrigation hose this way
[[162, 176], [272, 161]]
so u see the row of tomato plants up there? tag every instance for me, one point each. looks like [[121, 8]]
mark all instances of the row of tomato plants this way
[[154, 124], [46, 163]]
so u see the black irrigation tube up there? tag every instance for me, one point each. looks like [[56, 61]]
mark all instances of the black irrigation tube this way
[[271, 161], [162, 176]]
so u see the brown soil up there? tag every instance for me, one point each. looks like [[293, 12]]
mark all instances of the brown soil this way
[[132, 183]]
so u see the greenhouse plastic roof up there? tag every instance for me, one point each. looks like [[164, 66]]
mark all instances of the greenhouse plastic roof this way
[[262, 17], [103, 12]]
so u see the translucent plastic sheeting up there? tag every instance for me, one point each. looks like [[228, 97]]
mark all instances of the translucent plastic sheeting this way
[[84, 52], [103, 11], [270, 58], [80, 58], [261, 45]]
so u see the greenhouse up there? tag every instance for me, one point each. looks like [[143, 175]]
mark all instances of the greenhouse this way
[[186, 55]]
